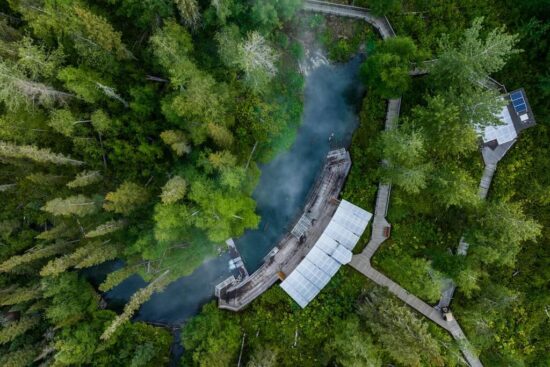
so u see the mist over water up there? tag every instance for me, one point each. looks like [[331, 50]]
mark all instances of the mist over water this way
[[332, 97]]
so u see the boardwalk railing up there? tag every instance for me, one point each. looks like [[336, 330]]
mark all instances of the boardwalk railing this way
[[380, 23]]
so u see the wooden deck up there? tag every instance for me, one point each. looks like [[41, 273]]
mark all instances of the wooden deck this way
[[362, 261], [380, 23], [320, 207]]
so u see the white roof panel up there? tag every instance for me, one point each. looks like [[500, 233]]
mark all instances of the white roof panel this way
[[313, 273], [342, 255], [323, 261], [342, 235], [350, 221], [332, 249], [501, 133], [326, 243], [360, 212], [292, 292]]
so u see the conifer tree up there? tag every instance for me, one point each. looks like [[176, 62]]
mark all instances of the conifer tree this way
[[57, 266], [85, 178], [499, 232], [402, 334], [16, 328], [90, 254], [126, 198], [116, 277], [405, 159], [61, 230], [189, 11], [471, 60], [34, 254], [6, 187], [8, 226], [111, 93], [173, 190], [63, 122], [17, 90], [10, 150], [139, 298], [106, 228], [19, 295], [99, 32], [177, 141], [19, 358], [98, 255], [78, 205]]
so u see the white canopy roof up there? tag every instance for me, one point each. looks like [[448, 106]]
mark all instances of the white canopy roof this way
[[332, 250]]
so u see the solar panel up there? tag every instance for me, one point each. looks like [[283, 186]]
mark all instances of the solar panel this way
[[518, 101], [516, 95], [521, 108]]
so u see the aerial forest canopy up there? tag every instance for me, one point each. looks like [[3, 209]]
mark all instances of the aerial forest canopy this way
[[134, 130], [128, 130]]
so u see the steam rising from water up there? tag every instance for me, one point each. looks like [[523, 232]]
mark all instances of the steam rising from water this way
[[331, 96]]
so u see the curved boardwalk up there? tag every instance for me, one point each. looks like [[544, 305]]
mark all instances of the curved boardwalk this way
[[380, 23], [361, 262], [320, 207]]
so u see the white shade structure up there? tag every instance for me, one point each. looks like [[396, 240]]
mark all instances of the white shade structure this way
[[332, 250]]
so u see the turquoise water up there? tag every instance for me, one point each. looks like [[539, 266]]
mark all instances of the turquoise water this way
[[331, 100]]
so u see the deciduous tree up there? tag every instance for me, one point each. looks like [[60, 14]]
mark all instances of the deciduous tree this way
[[387, 69]]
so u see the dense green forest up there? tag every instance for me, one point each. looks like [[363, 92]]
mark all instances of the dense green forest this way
[[133, 130]]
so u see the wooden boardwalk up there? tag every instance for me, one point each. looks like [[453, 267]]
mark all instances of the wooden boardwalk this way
[[380, 23], [361, 262], [486, 179]]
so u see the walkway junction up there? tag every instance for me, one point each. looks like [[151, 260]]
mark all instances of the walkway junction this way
[[322, 239]]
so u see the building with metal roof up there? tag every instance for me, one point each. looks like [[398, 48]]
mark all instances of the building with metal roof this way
[[330, 252], [515, 116]]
